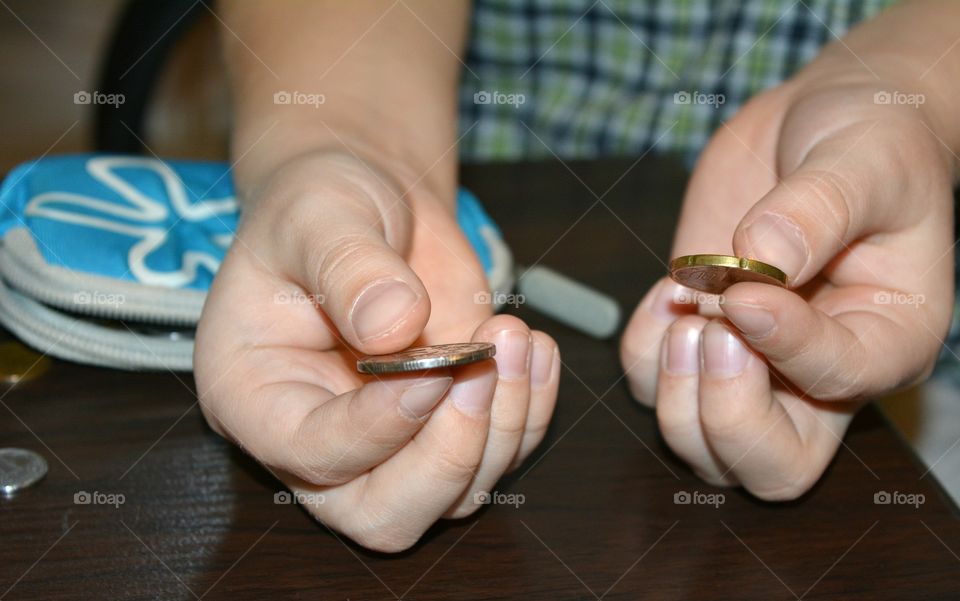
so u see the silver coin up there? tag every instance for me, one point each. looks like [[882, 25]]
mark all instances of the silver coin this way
[[20, 468], [427, 357]]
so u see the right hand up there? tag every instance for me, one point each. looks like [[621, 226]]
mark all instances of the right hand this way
[[332, 261]]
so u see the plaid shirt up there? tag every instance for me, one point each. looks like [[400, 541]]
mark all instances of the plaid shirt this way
[[589, 78]]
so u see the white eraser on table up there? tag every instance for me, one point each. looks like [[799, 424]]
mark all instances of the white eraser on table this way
[[569, 301]]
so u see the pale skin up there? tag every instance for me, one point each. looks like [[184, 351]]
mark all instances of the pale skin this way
[[348, 210]]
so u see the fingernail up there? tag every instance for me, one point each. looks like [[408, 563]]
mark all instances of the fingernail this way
[[754, 321], [724, 356], [418, 400], [683, 351], [380, 308], [776, 240], [541, 365], [513, 353], [473, 395]]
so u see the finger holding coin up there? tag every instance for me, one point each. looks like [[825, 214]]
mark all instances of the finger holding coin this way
[[510, 408]]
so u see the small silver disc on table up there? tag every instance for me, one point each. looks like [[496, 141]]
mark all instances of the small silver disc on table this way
[[19, 469], [427, 357]]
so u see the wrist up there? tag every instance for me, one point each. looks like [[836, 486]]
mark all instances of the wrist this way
[[891, 84], [374, 131]]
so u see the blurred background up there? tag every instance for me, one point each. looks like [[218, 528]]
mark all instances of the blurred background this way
[[53, 50]]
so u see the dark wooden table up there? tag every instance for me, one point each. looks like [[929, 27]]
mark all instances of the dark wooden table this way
[[599, 518]]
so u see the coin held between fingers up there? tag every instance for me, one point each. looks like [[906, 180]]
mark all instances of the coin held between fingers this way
[[427, 357], [715, 273]]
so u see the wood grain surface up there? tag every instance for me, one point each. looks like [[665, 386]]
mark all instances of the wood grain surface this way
[[598, 517]]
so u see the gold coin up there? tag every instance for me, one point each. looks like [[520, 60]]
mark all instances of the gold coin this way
[[20, 364], [715, 273], [427, 357]]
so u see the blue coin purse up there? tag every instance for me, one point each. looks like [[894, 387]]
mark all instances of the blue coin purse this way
[[107, 259]]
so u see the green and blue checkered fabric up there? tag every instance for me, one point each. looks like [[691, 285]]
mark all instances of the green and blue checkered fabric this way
[[588, 78]]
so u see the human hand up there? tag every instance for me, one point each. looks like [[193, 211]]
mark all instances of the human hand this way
[[332, 261], [852, 198]]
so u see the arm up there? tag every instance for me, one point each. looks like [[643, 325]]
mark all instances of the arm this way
[[388, 72], [915, 43]]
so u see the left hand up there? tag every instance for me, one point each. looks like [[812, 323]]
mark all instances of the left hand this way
[[852, 198], [330, 262]]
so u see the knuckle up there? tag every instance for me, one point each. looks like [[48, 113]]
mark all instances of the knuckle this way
[[726, 420], [842, 387], [311, 460], [320, 473], [314, 466], [509, 427], [832, 195], [341, 257], [535, 429], [383, 537], [452, 466], [385, 544], [465, 509], [385, 540], [795, 483], [676, 423]]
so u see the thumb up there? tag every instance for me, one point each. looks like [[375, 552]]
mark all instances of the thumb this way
[[835, 196], [350, 228]]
